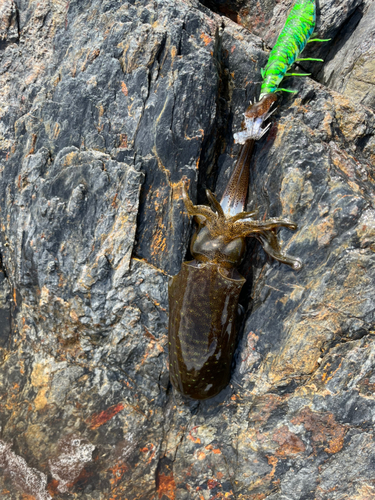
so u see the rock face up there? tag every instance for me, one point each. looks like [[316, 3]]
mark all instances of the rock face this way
[[105, 106]]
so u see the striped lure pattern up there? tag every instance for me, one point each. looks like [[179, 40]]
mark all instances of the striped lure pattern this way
[[298, 28]]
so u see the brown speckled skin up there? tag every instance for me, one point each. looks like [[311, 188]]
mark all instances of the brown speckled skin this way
[[235, 193], [203, 305]]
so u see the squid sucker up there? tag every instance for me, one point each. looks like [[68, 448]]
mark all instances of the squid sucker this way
[[203, 297]]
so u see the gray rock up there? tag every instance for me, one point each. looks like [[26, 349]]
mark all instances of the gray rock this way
[[8, 21], [350, 70], [105, 107]]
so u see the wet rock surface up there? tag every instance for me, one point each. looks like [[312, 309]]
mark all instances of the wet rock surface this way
[[105, 106]]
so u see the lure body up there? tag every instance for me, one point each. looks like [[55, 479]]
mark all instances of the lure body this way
[[203, 297], [298, 28]]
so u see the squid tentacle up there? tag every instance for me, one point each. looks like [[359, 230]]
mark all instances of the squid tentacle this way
[[196, 210], [271, 246]]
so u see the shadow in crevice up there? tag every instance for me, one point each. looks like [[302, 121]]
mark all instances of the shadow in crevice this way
[[225, 8], [5, 308], [339, 36], [216, 139]]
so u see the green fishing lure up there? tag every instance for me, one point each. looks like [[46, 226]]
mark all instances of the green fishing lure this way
[[296, 33], [298, 28]]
